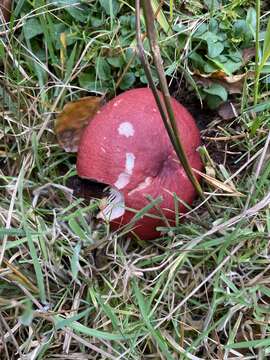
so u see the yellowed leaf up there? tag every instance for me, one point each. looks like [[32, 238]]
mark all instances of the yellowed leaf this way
[[71, 122]]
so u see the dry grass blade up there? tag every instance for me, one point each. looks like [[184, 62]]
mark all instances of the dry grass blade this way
[[219, 184], [18, 276]]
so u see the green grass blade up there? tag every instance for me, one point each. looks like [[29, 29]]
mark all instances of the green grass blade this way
[[144, 311], [266, 46], [74, 325]]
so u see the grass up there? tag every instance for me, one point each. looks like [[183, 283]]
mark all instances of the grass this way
[[71, 288]]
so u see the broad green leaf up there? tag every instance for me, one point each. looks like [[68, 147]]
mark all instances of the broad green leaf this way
[[251, 21], [111, 7], [215, 49], [242, 32], [88, 82], [218, 90], [103, 69], [213, 101], [115, 61], [32, 28], [128, 81]]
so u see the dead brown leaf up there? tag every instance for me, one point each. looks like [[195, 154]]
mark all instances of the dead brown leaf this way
[[234, 83], [5, 7], [248, 54], [71, 122], [228, 110]]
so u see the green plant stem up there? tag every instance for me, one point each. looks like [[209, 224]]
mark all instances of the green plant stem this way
[[166, 111], [257, 55]]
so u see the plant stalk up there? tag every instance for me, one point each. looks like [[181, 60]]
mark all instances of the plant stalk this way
[[164, 106], [257, 55]]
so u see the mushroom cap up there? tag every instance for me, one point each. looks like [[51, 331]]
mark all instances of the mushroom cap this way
[[127, 147]]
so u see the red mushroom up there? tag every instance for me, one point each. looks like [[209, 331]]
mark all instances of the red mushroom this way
[[126, 147]]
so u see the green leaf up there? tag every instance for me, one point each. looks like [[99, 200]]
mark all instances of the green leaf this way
[[60, 323], [264, 106], [128, 81], [32, 28], [218, 90], [213, 101], [2, 51], [88, 82], [89, 331], [197, 61], [103, 69], [79, 14], [144, 311], [213, 25], [27, 315], [11, 232], [229, 67], [242, 32], [248, 344], [76, 228], [115, 61], [110, 6], [201, 30], [74, 262], [37, 265], [215, 49], [251, 21], [266, 45]]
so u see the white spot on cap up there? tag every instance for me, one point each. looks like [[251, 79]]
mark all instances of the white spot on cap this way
[[124, 177], [122, 181], [142, 185], [126, 129], [130, 162]]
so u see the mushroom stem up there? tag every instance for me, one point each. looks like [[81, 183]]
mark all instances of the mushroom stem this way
[[166, 111]]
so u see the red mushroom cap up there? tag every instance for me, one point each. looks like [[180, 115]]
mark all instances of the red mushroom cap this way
[[126, 146]]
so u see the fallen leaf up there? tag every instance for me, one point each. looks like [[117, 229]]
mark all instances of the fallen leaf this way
[[228, 110], [248, 54], [219, 184], [71, 122], [234, 84], [5, 7]]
